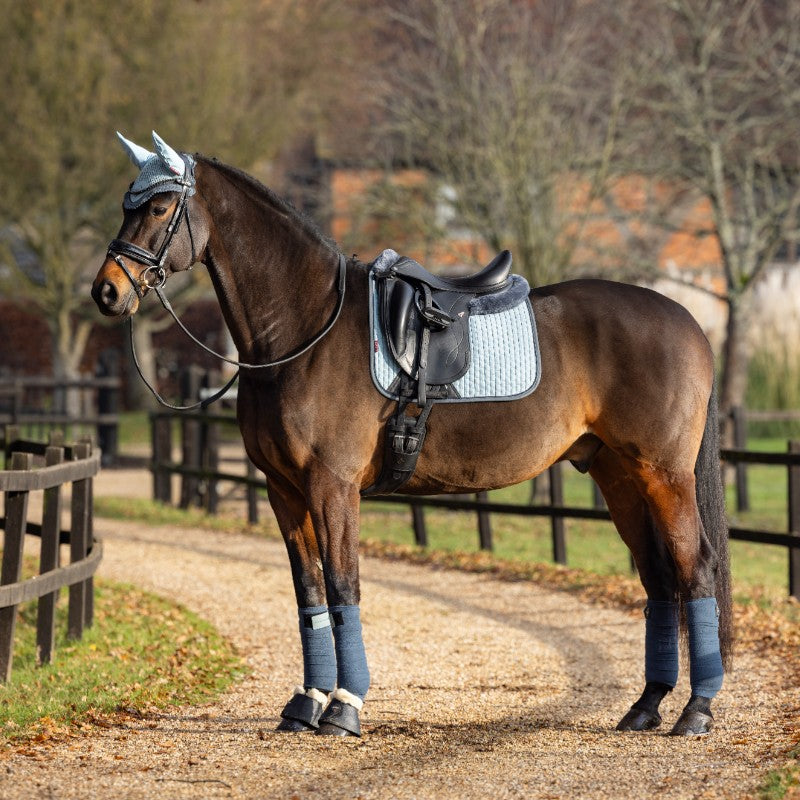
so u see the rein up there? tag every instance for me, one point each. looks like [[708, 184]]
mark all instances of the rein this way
[[304, 348], [154, 264]]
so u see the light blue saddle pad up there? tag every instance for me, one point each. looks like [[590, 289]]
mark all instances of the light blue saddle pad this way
[[504, 360]]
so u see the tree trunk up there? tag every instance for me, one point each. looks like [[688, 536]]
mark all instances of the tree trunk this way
[[68, 345], [735, 362], [139, 396]]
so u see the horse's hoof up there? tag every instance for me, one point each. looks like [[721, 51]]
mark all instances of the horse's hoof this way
[[342, 717], [300, 714], [294, 726], [693, 723], [328, 729], [637, 719]]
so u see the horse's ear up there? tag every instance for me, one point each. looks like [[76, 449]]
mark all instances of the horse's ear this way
[[169, 156], [137, 154]]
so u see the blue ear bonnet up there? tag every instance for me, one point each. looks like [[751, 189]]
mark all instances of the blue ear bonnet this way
[[157, 178]]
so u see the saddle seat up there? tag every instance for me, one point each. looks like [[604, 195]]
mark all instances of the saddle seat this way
[[426, 317], [493, 277]]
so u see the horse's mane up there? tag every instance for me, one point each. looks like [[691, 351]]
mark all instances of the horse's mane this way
[[263, 193]]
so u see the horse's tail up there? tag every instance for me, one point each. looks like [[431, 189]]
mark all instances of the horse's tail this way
[[711, 504]]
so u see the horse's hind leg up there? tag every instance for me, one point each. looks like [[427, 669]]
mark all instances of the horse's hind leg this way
[[672, 500], [634, 522]]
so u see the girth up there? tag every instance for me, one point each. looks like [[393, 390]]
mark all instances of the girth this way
[[425, 319]]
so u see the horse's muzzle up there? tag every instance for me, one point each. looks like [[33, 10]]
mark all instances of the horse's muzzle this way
[[113, 299]]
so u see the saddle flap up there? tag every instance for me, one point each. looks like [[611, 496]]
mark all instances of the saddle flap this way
[[449, 348], [448, 351], [400, 321]]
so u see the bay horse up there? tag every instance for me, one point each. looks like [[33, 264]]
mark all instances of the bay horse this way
[[626, 394]]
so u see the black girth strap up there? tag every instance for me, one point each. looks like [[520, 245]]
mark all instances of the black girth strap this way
[[405, 436]]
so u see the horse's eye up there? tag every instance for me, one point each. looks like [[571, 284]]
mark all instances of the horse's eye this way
[[158, 211]]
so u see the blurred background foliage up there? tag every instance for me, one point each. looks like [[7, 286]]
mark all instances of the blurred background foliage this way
[[581, 134]]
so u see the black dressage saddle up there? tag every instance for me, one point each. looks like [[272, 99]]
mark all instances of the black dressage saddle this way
[[425, 319]]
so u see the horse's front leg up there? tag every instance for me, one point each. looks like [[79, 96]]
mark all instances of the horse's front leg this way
[[334, 505], [303, 711]]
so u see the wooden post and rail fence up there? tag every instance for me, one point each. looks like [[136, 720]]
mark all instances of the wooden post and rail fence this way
[[200, 473], [41, 404], [30, 467]]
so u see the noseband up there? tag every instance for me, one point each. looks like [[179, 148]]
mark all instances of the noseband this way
[[153, 262]]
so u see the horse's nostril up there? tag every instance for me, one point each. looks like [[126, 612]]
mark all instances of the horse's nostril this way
[[108, 293]]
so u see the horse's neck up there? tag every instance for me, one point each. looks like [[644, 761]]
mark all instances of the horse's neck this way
[[275, 281]]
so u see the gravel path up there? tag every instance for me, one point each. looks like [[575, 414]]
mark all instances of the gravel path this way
[[481, 688]]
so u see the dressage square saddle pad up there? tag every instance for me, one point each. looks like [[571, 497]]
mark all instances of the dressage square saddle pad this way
[[500, 360]]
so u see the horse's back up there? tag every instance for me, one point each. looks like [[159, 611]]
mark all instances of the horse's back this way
[[643, 363], [622, 326], [601, 302]]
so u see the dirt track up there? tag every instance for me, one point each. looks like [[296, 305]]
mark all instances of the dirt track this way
[[481, 688]]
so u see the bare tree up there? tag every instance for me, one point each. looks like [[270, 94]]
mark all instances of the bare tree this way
[[717, 110], [515, 106], [233, 79]]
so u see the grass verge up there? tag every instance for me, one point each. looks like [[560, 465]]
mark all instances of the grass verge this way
[[783, 783], [142, 652]]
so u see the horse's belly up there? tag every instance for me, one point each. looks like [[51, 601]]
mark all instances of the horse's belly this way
[[490, 445]]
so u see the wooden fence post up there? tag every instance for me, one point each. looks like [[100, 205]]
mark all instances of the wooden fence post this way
[[794, 523], [192, 439], [11, 569], [10, 436], [251, 493], [108, 404], [48, 560], [740, 442], [557, 523], [420, 530], [211, 463], [539, 489], [79, 610], [88, 604], [161, 445], [16, 401], [190, 484], [484, 524]]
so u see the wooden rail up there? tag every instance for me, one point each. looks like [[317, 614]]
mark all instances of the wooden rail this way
[[740, 418], [33, 466], [40, 405], [200, 475]]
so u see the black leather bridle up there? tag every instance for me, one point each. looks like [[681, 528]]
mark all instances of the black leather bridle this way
[[153, 262]]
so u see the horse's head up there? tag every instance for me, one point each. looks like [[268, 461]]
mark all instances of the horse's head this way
[[160, 234]]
